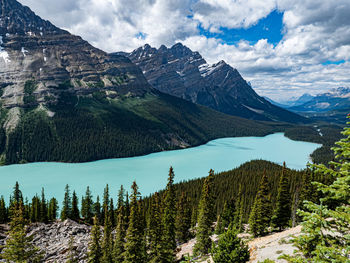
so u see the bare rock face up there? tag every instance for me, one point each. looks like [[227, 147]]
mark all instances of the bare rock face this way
[[53, 239], [183, 73], [32, 49]]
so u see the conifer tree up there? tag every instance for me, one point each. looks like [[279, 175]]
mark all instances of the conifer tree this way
[[107, 241], [121, 195], [75, 214], [261, 212], [111, 212], [155, 229], [127, 208], [228, 213], [3, 211], [53, 209], [105, 204], [94, 250], [219, 229], [19, 247], [72, 257], [168, 220], [282, 213], [35, 209], [43, 208], [15, 199], [326, 226], [205, 217], [97, 208], [230, 248], [239, 210], [183, 219], [66, 205], [120, 233], [87, 207], [134, 247]]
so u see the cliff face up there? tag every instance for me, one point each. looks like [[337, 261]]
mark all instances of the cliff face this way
[[33, 49], [183, 73]]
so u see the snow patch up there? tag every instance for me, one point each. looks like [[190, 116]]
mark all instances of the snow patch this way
[[255, 110], [24, 51], [3, 53]]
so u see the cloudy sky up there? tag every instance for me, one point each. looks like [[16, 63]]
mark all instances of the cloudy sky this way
[[283, 47]]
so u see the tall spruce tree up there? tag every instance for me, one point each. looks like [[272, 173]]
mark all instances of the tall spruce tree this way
[[134, 247], [53, 209], [260, 216], [43, 208], [19, 247], [326, 226], [107, 241], [72, 255], [168, 220], [120, 233], [94, 249], [66, 211], [75, 214], [3, 211], [205, 217], [155, 230], [183, 219], [228, 213], [87, 207], [105, 204], [239, 210], [35, 209], [282, 213], [97, 208]]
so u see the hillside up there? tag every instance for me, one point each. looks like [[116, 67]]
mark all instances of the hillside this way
[[64, 100]]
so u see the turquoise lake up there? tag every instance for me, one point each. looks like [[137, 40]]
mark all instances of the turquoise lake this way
[[150, 171]]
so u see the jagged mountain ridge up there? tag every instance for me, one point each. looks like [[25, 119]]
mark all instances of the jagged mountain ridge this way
[[183, 73], [64, 100]]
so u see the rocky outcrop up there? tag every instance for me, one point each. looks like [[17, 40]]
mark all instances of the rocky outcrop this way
[[53, 239], [39, 60], [183, 73]]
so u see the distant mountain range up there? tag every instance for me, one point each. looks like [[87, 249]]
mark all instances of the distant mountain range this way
[[184, 73], [65, 100]]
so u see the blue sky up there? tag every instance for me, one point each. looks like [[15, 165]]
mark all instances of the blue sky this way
[[269, 28], [284, 48]]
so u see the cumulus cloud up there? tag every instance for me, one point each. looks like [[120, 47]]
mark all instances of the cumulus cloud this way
[[315, 32]]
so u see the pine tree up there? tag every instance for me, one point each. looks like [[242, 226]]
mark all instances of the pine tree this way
[[134, 247], [120, 233], [205, 217], [230, 248], [219, 229], [97, 208], [121, 194], [72, 257], [94, 250], [75, 214], [261, 212], [87, 207], [15, 199], [282, 213], [43, 208], [105, 204], [3, 211], [183, 219], [53, 209], [107, 242], [67, 205], [155, 229], [239, 210], [35, 209], [228, 213], [111, 212], [326, 226], [168, 219], [19, 247]]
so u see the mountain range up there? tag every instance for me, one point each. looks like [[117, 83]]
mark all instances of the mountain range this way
[[65, 100], [184, 73]]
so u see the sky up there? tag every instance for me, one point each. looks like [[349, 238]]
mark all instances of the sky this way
[[284, 48]]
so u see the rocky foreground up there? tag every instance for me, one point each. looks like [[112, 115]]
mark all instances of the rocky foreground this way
[[54, 239]]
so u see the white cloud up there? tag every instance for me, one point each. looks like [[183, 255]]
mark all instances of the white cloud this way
[[315, 31]]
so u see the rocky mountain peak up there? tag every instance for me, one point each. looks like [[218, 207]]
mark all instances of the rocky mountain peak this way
[[181, 72]]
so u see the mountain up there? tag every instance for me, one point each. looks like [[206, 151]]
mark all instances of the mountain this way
[[65, 100], [335, 99], [275, 102], [185, 74]]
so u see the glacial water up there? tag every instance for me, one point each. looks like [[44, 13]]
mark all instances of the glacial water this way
[[150, 171]]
